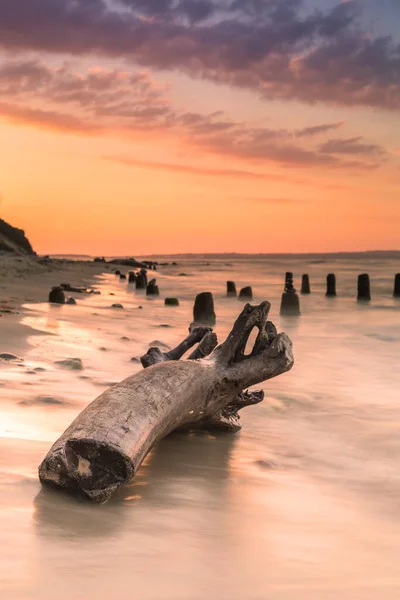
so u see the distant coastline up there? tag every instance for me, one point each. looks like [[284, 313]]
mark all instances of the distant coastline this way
[[390, 254]]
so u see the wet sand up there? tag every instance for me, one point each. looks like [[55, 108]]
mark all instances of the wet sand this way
[[25, 279], [302, 504]]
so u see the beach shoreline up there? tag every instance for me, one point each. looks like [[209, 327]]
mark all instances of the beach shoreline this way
[[29, 279], [311, 481]]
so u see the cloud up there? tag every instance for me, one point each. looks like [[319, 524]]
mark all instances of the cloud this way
[[275, 48], [192, 170], [98, 91], [317, 129], [114, 102], [46, 119], [351, 145], [243, 144], [193, 10]]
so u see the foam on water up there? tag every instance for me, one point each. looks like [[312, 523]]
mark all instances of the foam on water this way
[[303, 503]]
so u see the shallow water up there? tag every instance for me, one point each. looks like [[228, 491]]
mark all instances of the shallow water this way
[[302, 504]]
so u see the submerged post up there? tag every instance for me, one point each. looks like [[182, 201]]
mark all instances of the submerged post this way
[[203, 310], [231, 289], [246, 293], [152, 288], [331, 284], [290, 303], [144, 274], [363, 288], [140, 281], [396, 291], [305, 284]]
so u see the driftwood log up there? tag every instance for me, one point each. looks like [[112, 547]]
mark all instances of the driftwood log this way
[[228, 418], [106, 444], [203, 336]]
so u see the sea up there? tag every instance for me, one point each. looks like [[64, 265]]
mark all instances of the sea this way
[[302, 504]]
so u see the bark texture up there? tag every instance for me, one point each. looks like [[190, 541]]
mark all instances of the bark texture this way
[[106, 444]]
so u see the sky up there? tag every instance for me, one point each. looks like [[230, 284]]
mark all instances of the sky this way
[[134, 127]]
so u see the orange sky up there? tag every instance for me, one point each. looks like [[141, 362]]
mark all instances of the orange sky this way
[[109, 158]]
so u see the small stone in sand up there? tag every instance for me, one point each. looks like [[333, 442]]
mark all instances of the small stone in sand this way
[[134, 359], [171, 302], [49, 400], [265, 464], [71, 301], [117, 306], [103, 349], [75, 364], [125, 339], [57, 296], [165, 325], [39, 369], [7, 356]]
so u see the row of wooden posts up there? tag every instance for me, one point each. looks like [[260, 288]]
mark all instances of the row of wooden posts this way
[[363, 285], [246, 293], [203, 310], [290, 303]]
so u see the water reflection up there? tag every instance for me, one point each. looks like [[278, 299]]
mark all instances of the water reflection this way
[[183, 470], [52, 322], [58, 515]]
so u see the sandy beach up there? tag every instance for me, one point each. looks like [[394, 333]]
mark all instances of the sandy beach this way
[[27, 280], [303, 503]]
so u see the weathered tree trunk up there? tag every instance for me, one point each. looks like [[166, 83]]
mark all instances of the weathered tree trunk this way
[[106, 444], [227, 419]]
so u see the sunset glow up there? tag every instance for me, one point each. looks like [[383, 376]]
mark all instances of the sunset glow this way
[[146, 127]]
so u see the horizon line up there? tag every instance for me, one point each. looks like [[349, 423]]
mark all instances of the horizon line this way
[[127, 256]]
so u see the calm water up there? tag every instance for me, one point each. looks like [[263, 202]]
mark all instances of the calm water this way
[[303, 504]]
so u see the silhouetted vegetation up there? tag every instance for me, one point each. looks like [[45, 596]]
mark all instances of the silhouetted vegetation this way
[[13, 239]]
